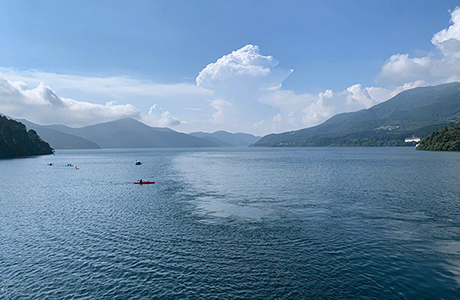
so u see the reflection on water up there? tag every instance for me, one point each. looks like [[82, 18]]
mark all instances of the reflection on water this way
[[221, 208], [254, 185]]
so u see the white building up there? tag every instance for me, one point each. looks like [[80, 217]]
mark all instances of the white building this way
[[412, 139]]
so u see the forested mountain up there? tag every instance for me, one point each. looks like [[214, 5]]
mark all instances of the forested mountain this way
[[443, 139], [418, 111], [16, 141]]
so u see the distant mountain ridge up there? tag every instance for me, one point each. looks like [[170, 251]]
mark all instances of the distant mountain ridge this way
[[418, 111], [59, 139], [226, 139], [130, 133]]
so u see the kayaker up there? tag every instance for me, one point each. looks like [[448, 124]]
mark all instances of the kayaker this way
[[140, 181]]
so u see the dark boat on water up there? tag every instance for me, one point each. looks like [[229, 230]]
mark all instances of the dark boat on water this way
[[144, 182]]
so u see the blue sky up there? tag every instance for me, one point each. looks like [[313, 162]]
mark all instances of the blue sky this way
[[251, 66]]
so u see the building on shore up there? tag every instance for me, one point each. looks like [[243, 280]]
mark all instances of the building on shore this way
[[412, 139]]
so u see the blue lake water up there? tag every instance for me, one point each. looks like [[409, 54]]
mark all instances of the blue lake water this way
[[302, 223]]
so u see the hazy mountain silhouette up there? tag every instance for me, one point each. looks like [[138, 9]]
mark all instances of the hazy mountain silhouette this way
[[226, 139], [60, 140], [128, 133]]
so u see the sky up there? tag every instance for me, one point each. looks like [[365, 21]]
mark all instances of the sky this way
[[255, 66]]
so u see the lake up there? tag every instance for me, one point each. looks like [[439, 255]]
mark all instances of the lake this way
[[231, 223]]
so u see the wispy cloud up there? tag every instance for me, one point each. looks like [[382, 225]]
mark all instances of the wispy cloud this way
[[113, 86]]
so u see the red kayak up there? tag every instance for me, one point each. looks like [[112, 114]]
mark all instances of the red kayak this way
[[144, 182]]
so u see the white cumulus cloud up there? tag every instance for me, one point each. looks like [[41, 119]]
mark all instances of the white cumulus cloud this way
[[44, 106], [222, 108], [432, 68], [448, 39], [239, 81], [246, 67], [316, 111], [247, 91], [402, 67], [241, 91], [159, 118]]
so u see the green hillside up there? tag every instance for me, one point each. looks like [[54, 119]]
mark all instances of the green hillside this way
[[444, 139], [413, 112], [16, 141]]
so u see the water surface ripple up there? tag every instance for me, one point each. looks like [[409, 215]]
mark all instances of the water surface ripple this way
[[313, 223]]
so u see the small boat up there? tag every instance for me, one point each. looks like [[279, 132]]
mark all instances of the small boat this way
[[137, 163], [144, 182]]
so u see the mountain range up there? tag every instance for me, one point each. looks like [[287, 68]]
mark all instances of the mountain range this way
[[418, 111], [130, 133]]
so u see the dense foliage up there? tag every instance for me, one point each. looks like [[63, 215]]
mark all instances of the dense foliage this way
[[16, 141], [444, 139]]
